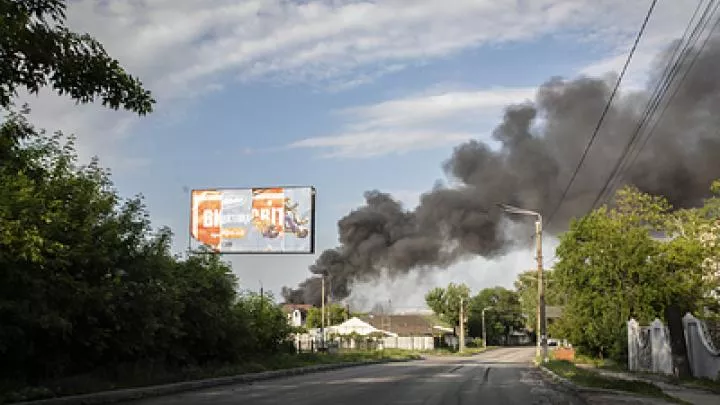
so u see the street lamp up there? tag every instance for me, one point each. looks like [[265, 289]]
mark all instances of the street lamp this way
[[483, 326], [542, 324]]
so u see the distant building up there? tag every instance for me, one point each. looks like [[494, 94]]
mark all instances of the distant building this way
[[406, 324], [296, 313], [552, 314], [357, 326]]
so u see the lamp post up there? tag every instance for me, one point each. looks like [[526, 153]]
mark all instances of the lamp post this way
[[462, 325], [542, 324], [483, 326]]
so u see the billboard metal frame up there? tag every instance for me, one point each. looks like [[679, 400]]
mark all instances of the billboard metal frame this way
[[313, 192]]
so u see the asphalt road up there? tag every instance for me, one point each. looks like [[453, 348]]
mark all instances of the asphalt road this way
[[502, 376]]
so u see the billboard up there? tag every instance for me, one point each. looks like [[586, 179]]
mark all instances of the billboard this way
[[254, 220]]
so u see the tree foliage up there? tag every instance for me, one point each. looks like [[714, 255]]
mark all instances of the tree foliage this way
[[526, 286], [503, 315], [445, 302], [635, 259], [37, 50], [86, 282], [334, 315]]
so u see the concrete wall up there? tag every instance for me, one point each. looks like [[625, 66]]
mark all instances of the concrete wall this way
[[409, 342], [649, 348], [703, 355]]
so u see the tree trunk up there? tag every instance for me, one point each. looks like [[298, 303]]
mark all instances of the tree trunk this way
[[681, 365]]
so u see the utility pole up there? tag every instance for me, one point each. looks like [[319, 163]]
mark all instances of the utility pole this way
[[262, 302], [462, 325], [484, 335], [542, 324], [541, 291], [389, 315]]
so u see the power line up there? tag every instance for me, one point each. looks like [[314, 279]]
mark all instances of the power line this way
[[604, 113], [655, 101], [669, 74], [635, 152]]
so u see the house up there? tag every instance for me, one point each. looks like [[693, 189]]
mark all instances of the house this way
[[296, 313], [406, 324], [356, 326], [553, 313]]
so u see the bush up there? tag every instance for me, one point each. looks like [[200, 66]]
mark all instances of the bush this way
[[87, 286]]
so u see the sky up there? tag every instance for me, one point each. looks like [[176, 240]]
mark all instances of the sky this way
[[343, 95]]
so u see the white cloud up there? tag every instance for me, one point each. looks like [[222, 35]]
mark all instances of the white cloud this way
[[437, 118], [180, 43], [371, 144], [666, 24], [99, 131], [436, 107], [187, 48], [422, 121]]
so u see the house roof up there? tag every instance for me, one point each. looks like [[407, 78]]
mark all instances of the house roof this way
[[355, 322], [403, 325], [292, 307], [553, 312], [354, 325]]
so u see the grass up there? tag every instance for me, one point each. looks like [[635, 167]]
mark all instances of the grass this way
[[702, 383], [140, 375], [610, 365], [588, 378], [690, 382]]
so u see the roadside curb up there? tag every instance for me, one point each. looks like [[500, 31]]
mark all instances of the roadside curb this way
[[128, 394], [563, 382], [578, 390]]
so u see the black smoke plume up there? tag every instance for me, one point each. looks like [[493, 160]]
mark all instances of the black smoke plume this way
[[534, 152]]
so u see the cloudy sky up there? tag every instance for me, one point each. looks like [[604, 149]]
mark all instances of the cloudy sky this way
[[345, 95]]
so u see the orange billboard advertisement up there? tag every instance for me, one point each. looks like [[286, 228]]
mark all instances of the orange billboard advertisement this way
[[206, 217], [256, 220], [268, 209]]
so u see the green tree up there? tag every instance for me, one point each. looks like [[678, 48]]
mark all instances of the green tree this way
[[526, 286], [604, 269], [334, 314], [503, 316], [268, 324], [611, 268], [445, 302], [87, 284], [37, 50]]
